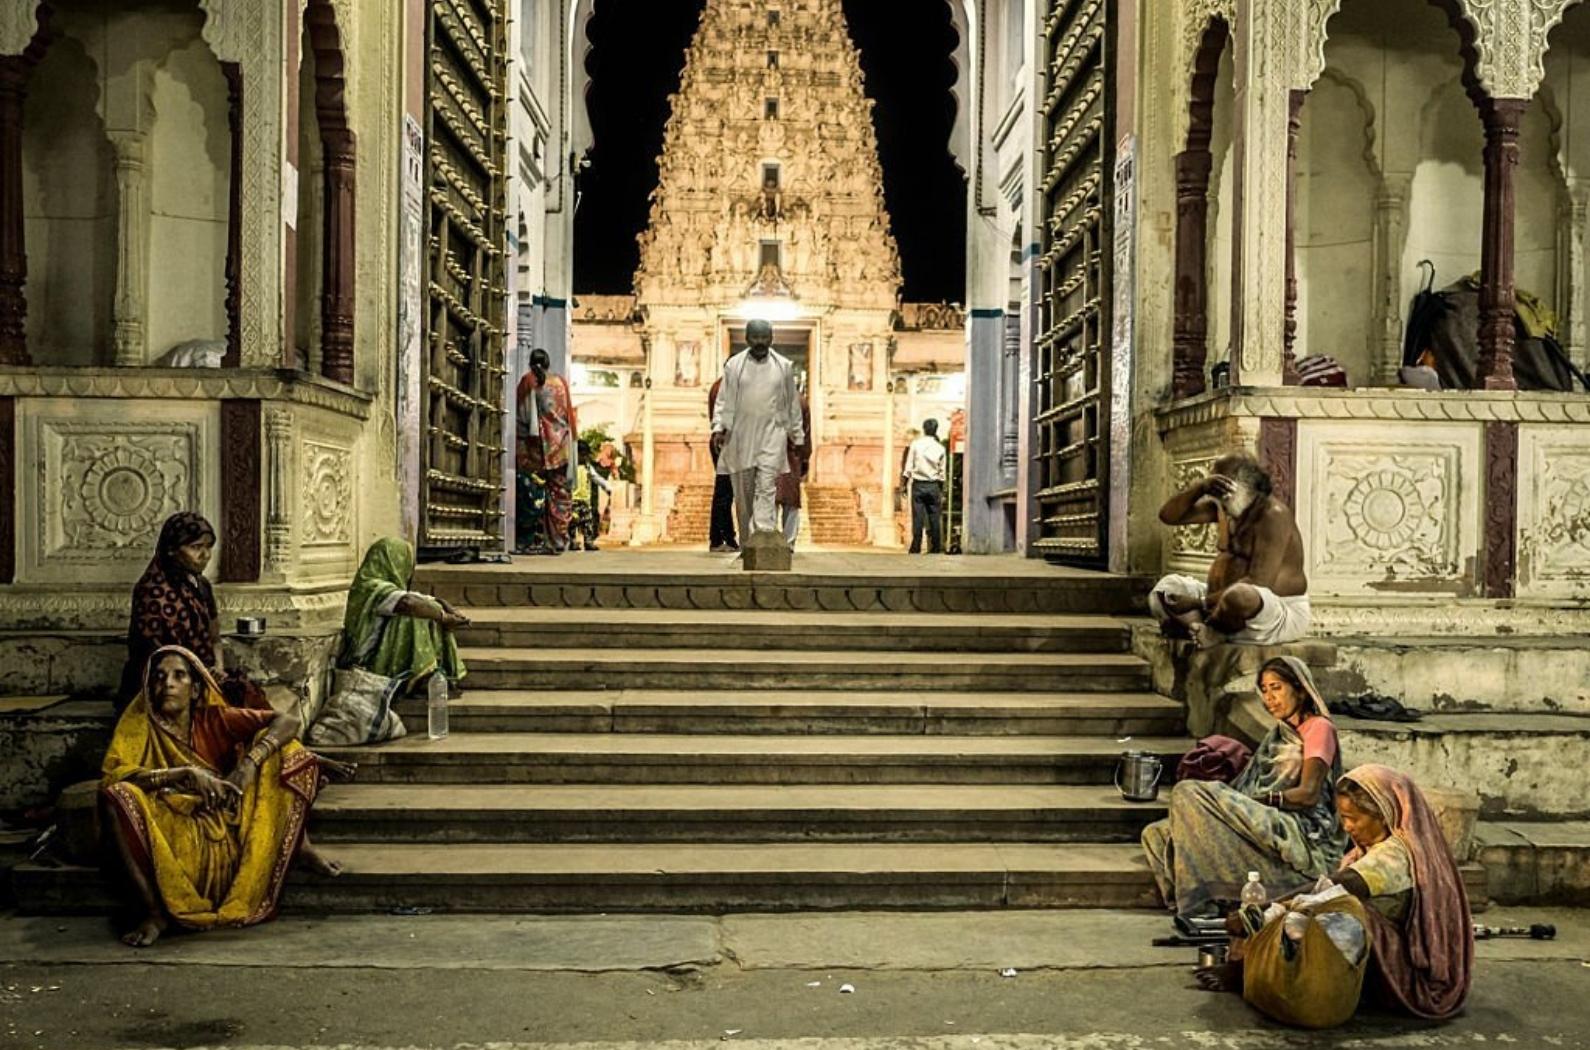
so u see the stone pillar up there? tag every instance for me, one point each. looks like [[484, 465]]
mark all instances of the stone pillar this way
[[1294, 126], [1190, 335], [14, 72], [1391, 239], [336, 324], [1573, 208], [8, 489], [887, 534], [131, 305], [1501, 117], [1258, 286], [278, 491], [1009, 400], [234, 217]]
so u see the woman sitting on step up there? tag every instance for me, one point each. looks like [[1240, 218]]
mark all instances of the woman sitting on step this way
[[206, 803], [1395, 915], [396, 632], [173, 604], [1277, 818]]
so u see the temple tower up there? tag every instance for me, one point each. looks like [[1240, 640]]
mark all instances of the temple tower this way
[[769, 204]]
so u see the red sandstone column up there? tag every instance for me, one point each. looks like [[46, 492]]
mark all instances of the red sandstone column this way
[[14, 72], [1190, 335], [234, 217], [1294, 125], [1501, 117], [336, 330]]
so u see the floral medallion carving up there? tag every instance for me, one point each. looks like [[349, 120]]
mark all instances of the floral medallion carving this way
[[1554, 513], [113, 485], [328, 495], [1389, 515]]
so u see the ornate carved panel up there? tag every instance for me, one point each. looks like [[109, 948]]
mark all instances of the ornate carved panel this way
[[1390, 512], [328, 500], [1553, 512], [1192, 548], [1278, 454], [99, 479], [1501, 508]]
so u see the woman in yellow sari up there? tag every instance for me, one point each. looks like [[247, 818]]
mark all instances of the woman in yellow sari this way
[[206, 803]]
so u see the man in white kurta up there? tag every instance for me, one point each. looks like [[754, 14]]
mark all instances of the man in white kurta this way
[[758, 418]]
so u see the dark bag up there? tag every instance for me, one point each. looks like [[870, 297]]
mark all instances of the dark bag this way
[[1214, 758]]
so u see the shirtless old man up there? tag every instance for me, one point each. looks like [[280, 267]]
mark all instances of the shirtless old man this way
[[1257, 593]]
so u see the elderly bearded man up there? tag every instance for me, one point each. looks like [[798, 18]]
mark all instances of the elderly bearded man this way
[[1257, 593], [758, 419]]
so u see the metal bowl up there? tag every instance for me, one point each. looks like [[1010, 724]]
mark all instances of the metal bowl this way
[[1210, 955], [251, 626]]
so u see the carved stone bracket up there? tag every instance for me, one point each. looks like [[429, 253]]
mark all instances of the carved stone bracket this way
[[240, 495], [1501, 509], [1458, 406]]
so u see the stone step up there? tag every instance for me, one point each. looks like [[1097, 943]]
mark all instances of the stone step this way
[[1536, 862], [1521, 765], [654, 758], [727, 813], [743, 711], [694, 629], [828, 581], [698, 877], [517, 668], [714, 878]]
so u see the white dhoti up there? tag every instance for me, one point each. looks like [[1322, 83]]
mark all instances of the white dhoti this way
[[1278, 621]]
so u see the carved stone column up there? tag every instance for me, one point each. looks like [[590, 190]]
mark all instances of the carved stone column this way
[[278, 489], [234, 217], [1573, 209], [1501, 509], [336, 326], [1294, 127], [131, 306], [1501, 117], [240, 500], [14, 72], [1190, 334], [8, 489], [1391, 238]]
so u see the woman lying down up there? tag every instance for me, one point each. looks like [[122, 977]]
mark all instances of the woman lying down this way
[[1394, 915]]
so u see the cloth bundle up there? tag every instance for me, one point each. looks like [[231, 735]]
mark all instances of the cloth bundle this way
[[1320, 370], [1214, 758], [359, 711]]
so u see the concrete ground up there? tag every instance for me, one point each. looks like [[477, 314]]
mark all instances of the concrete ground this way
[[1087, 980]]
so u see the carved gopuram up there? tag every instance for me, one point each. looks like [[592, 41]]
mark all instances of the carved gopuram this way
[[770, 204]]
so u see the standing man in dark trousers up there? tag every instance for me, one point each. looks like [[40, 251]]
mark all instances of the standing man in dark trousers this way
[[722, 540], [924, 471]]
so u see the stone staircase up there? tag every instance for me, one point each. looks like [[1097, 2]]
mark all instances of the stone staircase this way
[[690, 520], [835, 515], [640, 741]]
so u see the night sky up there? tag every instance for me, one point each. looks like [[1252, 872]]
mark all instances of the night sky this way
[[637, 49]]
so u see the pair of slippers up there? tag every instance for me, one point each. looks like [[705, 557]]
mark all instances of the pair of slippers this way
[[1375, 707]]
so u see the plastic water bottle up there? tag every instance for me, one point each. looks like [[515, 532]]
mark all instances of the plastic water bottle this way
[[1252, 890], [436, 707]]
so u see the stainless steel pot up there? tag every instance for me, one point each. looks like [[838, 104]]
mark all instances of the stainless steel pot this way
[[1137, 776], [251, 626]]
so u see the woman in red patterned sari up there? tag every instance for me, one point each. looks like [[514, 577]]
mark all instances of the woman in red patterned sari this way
[[547, 435]]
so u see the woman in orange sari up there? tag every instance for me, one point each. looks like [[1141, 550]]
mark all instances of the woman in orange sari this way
[[206, 803]]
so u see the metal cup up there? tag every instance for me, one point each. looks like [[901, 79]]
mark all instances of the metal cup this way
[[251, 626]]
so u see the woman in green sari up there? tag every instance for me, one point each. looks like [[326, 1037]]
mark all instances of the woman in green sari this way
[[1278, 817], [393, 631]]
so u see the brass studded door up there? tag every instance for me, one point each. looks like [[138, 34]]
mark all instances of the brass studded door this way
[[461, 489], [1071, 369]]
